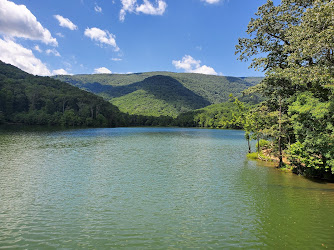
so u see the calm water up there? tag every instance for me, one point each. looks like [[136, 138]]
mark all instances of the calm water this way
[[153, 188]]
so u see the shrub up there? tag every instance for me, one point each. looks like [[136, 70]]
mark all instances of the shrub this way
[[253, 156], [264, 144]]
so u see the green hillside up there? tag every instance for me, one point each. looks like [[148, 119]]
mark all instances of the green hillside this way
[[35, 100], [161, 93]]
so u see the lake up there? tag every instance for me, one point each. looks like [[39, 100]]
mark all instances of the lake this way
[[153, 188]]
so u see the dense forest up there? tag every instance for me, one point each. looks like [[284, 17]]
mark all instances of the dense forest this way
[[35, 100], [226, 115], [162, 93], [293, 42]]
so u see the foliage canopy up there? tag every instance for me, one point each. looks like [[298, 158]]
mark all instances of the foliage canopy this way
[[293, 43]]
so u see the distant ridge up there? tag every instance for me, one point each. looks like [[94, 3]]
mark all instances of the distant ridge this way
[[161, 93]]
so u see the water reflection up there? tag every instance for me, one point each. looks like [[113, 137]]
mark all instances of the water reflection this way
[[152, 188]]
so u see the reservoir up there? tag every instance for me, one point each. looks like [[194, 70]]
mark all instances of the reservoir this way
[[153, 188]]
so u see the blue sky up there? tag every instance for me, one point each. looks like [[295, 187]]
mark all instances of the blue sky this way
[[46, 37]]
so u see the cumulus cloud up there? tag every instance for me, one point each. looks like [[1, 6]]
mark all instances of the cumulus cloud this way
[[146, 7], [190, 65], [101, 36], [205, 70], [127, 6], [187, 63], [98, 9], [18, 21], [211, 1], [102, 70], [149, 9], [65, 22], [59, 72], [22, 58], [52, 52]]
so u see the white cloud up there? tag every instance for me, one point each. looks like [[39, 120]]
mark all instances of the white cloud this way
[[102, 70], [190, 65], [22, 58], [205, 70], [149, 9], [60, 72], [146, 7], [211, 1], [124, 73], [128, 6], [60, 34], [65, 22], [98, 9], [104, 37], [53, 52], [116, 59], [18, 21], [37, 48]]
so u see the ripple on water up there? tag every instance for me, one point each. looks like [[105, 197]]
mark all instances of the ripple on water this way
[[153, 188]]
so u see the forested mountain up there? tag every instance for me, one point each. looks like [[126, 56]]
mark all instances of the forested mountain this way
[[161, 93], [29, 99]]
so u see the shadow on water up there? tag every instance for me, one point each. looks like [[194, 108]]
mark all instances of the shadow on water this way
[[319, 181], [328, 180], [14, 128]]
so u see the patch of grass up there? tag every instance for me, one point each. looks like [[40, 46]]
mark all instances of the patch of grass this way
[[253, 156], [286, 168], [259, 156], [264, 157]]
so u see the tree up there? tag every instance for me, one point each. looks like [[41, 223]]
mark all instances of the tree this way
[[271, 38], [293, 43], [269, 34], [311, 58], [313, 122]]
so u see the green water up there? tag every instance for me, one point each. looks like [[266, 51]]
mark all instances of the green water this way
[[153, 188]]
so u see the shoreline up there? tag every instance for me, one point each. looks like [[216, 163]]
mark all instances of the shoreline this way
[[287, 167]]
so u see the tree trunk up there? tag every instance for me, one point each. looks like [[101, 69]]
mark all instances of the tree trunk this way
[[97, 110], [64, 104], [280, 133], [92, 112], [249, 146]]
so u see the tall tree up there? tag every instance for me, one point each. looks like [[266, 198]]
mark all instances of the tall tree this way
[[293, 42]]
